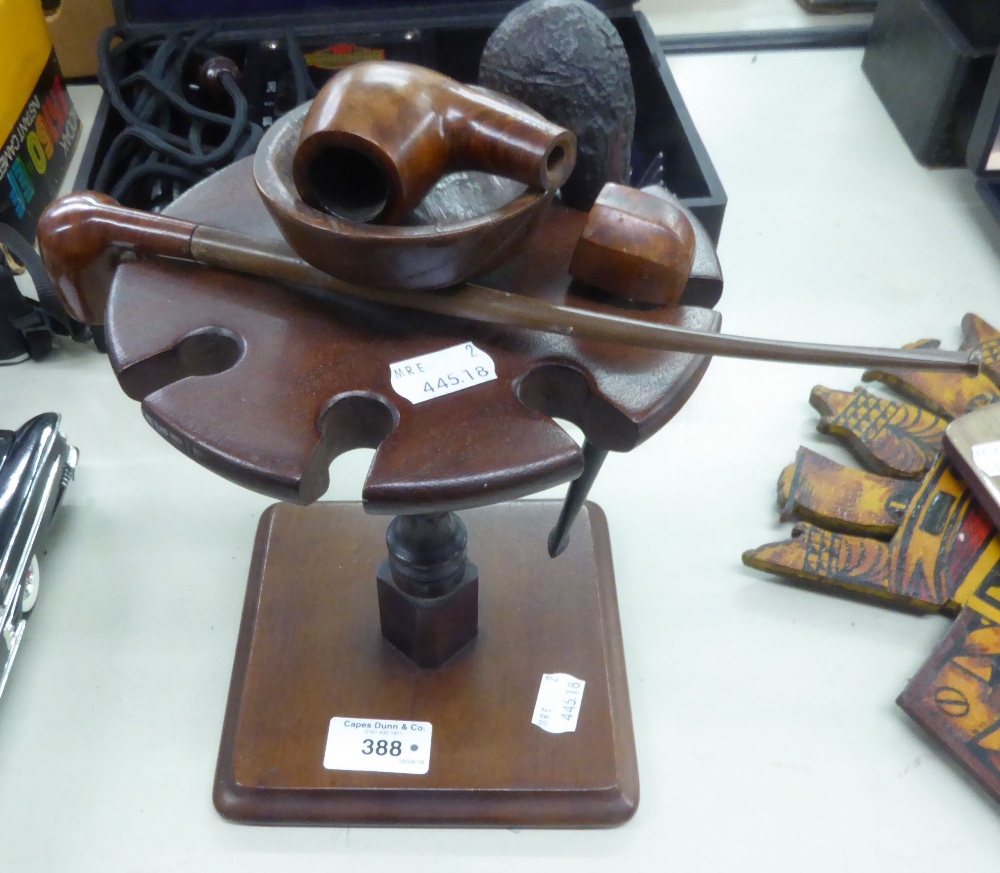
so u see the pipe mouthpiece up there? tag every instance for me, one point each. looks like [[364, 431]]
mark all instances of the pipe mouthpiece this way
[[559, 161]]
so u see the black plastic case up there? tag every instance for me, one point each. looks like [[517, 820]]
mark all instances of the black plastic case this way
[[928, 61], [449, 37], [983, 157]]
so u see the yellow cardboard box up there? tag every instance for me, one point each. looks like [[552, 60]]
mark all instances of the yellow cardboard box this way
[[39, 127]]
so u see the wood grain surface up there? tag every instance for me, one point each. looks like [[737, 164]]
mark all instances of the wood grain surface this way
[[265, 386], [381, 134], [955, 698], [310, 649], [402, 256]]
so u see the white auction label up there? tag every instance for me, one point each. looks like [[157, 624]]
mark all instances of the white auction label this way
[[986, 456], [378, 745], [558, 705], [439, 373]]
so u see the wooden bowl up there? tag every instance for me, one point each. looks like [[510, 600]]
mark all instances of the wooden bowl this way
[[469, 223]]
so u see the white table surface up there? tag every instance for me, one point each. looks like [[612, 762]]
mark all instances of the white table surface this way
[[767, 734], [707, 16]]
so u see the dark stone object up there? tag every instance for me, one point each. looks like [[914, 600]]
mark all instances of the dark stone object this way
[[428, 590], [565, 59]]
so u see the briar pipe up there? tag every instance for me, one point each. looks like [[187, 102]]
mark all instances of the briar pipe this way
[[380, 134], [82, 236]]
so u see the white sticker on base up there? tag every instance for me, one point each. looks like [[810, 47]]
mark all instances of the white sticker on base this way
[[378, 746], [440, 373], [558, 705], [986, 456]]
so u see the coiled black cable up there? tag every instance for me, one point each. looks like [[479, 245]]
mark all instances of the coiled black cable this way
[[168, 142]]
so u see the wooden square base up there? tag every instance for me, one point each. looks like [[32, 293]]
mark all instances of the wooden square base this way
[[310, 649]]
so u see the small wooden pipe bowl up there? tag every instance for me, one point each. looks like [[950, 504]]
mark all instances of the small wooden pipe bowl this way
[[403, 257], [639, 245], [379, 136]]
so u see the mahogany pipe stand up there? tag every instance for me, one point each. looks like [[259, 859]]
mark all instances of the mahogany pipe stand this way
[[265, 387]]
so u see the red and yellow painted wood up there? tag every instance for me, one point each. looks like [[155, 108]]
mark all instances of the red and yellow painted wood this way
[[946, 395], [909, 534], [942, 549], [888, 437], [955, 696], [840, 498]]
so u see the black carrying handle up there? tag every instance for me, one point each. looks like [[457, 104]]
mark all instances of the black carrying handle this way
[[35, 322]]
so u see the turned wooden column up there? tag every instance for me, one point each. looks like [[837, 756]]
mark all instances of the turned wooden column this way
[[428, 589]]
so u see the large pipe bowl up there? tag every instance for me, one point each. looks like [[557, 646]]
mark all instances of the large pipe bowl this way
[[404, 257]]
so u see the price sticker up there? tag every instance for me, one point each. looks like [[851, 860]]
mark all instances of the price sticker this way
[[378, 746], [557, 707], [986, 456], [440, 373]]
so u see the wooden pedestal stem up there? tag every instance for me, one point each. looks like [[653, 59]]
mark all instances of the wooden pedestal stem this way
[[428, 589]]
